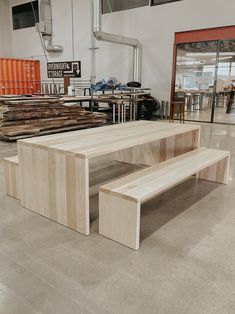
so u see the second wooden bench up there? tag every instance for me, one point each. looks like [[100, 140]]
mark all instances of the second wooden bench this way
[[120, 200]]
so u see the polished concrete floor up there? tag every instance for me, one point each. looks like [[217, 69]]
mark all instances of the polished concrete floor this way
[[220, 115], [186, 262]]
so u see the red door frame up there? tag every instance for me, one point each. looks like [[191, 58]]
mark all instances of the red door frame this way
[[217, 33]]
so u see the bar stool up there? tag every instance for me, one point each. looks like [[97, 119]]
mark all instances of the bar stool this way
[[177, 107]]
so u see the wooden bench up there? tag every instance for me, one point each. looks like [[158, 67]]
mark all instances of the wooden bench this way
[[12, 177], [120, 200]]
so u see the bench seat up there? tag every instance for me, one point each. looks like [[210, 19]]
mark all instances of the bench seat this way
[[120, 200], [12, 177]]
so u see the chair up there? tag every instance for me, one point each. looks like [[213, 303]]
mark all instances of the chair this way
[[178, 107]]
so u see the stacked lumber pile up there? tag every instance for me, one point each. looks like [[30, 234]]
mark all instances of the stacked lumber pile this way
[[27, 117]]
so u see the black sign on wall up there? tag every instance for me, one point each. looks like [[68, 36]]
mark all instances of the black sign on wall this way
[[60, 69]]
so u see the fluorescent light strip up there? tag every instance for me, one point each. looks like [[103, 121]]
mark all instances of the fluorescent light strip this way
[[223, 58], [197, 54]]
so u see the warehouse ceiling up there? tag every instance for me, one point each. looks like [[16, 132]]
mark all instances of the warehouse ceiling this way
[[209, 46], [204, 53]]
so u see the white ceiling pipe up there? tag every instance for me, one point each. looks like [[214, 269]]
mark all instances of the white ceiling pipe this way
[[49, 46], [121, 40], [46, 28]]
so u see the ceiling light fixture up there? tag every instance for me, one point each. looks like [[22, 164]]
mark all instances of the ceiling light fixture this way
[[197, 54], [223, 58]]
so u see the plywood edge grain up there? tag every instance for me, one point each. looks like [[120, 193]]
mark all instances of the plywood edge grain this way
[[121, 195]]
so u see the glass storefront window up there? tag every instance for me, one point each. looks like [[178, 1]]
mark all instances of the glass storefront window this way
[[205, 73]]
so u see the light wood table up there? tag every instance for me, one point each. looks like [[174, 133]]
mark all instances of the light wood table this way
[[54, 169]]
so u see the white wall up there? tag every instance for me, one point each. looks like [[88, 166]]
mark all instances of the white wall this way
[[5, 39], [153, 26]]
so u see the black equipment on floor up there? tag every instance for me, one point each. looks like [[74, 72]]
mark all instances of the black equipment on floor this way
[[147, 107]]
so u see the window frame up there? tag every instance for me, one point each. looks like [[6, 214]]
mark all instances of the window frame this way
[[135, 7], [16, 8], [161, 2]]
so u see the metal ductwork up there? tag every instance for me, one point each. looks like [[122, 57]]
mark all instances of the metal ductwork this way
[[49, 45], [121, 40], [45, 26]]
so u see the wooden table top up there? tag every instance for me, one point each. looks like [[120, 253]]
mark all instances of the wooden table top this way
[[91, 143]]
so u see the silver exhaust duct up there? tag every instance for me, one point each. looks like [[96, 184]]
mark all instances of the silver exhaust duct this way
[[121, 40], [49, 45], [45, 26]]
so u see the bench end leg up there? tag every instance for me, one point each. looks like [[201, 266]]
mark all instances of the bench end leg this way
[[12, 179], [218, 172], [119, 219]]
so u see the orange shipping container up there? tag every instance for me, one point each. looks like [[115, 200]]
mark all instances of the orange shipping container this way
[[18, 76]]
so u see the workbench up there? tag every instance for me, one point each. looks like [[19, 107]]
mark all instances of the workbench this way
[[123, 102]]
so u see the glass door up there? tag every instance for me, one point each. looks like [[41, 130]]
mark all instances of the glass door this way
[[196, 77], [224, 105]]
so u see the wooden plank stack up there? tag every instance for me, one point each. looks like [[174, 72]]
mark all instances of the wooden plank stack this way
[[27, 117]]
